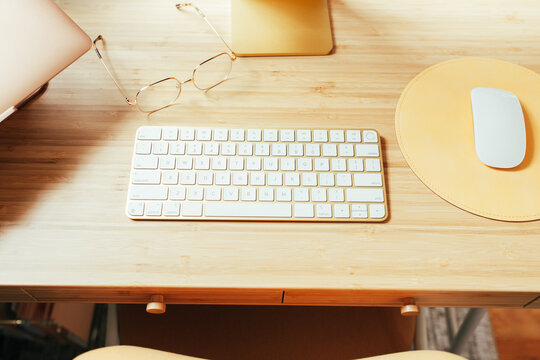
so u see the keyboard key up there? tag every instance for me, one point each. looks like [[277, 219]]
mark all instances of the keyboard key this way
[[187, 177], [187, 134], [337, 136], [303, 210], [270, 135], [341, 211], [143, 147], [353, 136], [135, 208], [329, 150], [287, 164], [322, 164], [170, 177], [274, 178], [221, 134], [356, 165], [202, 163], [326, 179], [195, 193], [178, 192], [367, 179], [228, 149], [145, 192], [219, 163], [373, 165], [170, 134], [146, 177], [205, 178], [223, 178], [153, 208], [346, 150], [301, 194], [192, 209], [262, 149], [245, 149], [371, 150], [236, 163], [204, 134], [344, 179], [254, 135], [286, 135], [324, 210], [249, 194], [292, 179], [309, 179], [194, 148], [336, 195], [359, 211], [320, 135], [305, 164], [240, 178], [270, 164], [365, 195], [145, 162], [376, 211], [257, 178], [266, 194], [253, 163], [370, 136], [339, 165], [303, 135], [230, 193], [318, 194], [171, 209], [279, 149], [283, 194], [313, 150], [149, 133], [212, 193], [296, 150], [211, 148], [184, 162], [237, 135], [167, 162], [177, 148], [263, 210]]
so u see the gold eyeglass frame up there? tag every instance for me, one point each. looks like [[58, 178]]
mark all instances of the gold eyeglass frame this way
[[179, 83]]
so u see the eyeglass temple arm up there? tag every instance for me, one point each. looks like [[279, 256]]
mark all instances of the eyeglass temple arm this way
[[199, 11], [100, 38]]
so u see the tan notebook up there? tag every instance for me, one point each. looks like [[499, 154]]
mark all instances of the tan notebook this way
[[280, 27]]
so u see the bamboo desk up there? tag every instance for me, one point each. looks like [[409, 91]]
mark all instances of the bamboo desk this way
[[64, 168]]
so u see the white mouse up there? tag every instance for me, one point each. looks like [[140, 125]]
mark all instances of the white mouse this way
[[499, 127]]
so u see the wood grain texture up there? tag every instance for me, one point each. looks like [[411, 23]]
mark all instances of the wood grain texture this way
[[65, 159]]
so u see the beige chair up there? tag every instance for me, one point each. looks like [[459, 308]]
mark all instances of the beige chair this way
[[138, 353]]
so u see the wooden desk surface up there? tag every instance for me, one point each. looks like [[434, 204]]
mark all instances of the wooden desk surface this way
[[65, 159]]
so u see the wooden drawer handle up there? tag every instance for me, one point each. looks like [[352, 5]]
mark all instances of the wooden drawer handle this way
[[156, 305], [409, 308]]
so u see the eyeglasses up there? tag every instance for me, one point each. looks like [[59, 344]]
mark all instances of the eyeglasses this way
[[165, 92]]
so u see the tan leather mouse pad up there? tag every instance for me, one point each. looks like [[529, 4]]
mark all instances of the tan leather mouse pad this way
[[434, 128]]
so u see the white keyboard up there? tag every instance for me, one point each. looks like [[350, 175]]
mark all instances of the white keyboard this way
[[257, 174]]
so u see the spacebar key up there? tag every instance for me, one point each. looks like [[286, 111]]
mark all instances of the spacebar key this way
[[231, 209]]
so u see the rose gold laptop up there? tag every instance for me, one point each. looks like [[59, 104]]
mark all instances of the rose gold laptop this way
[[39, 40]]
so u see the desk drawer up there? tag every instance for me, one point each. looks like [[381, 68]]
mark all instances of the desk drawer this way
[[143, 295], [396, 298]]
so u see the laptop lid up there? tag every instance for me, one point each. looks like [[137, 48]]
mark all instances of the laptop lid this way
[[39, 40]]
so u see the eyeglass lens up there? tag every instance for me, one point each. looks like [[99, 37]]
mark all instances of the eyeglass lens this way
[[212, 71]]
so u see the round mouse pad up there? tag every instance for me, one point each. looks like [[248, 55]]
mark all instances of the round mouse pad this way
[[434, 128]]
